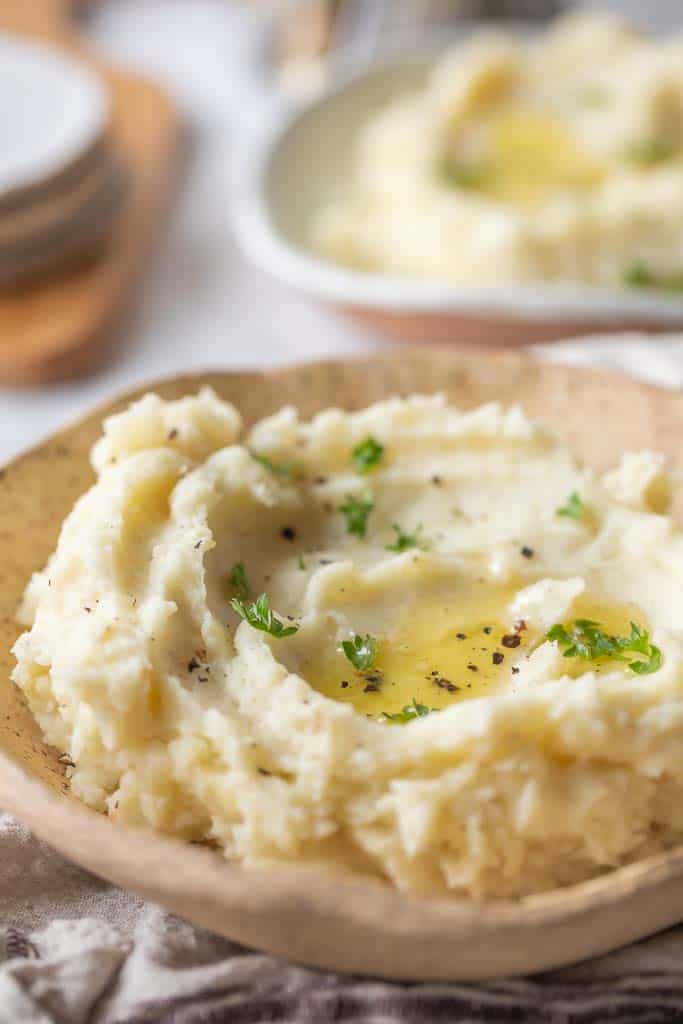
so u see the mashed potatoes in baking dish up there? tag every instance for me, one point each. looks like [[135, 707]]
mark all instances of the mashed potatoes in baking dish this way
[[419, 643], [558, 157]]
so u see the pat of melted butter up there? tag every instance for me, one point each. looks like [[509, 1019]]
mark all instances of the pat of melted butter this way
[[533, 155], [437, 652], [448, 649]]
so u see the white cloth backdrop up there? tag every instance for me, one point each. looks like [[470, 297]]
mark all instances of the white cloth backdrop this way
[[75, 949]]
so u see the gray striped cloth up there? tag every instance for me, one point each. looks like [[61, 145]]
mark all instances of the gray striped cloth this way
[[75, 950]]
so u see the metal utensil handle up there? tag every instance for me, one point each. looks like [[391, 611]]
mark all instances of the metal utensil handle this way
[[361, 28]]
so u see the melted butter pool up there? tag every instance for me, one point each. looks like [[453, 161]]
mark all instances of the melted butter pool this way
[[533, 155], [440, 651], [449, 649], [536, 155]]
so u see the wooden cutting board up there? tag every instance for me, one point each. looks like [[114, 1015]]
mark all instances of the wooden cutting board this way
[[59, 325]]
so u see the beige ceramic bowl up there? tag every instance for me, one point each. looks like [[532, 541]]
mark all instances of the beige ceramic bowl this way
[[289, 165], [347, 922]]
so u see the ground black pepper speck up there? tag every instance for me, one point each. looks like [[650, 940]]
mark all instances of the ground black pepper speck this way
[[511, 640], [443, 684]]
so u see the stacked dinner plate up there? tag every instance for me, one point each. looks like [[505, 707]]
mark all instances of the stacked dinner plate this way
[[61, 182]]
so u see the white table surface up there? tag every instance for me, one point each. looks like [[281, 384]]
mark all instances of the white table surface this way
[[200, 305]]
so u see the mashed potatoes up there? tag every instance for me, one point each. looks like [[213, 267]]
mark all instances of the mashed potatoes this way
[[465, 675], [555, 158]]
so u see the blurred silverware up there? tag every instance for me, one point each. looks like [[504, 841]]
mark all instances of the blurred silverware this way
[[315, 37]]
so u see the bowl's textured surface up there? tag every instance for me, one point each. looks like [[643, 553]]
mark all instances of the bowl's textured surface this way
[[346, 923]]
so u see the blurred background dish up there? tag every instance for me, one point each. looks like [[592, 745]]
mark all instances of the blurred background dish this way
[[61, 183], [86, 164], [54, 113], [276, 210], [50, 232]]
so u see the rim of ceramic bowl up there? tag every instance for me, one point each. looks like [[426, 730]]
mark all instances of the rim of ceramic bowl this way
[[253, 157]]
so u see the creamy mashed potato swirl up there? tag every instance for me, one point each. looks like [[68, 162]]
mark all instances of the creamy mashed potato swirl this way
[[557, 157], [515, 768]]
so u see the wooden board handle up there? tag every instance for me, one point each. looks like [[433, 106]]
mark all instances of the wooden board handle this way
[[44, 18]]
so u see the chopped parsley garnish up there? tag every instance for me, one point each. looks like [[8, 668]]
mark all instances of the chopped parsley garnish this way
[[281, 469], [640, 276], [586, 639], [238, 580], [593, 95], [361, 651], [404, 541], [650, 152], [458, 174], [356, 512], [260, 615], [301, 563], [367, 455], [408, 713], [573, 508]]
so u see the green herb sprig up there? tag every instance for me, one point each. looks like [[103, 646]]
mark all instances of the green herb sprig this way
[[458, 174], [405, 541], [408, 713], [285, 470], [650, 152], [356, 512], [361, 651], [586, 639], [638, 275], [367, 455], [573, 508], [238, 581], [260, 615]]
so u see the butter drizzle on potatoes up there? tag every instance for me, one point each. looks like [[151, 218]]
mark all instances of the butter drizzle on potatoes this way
[[438, 689]]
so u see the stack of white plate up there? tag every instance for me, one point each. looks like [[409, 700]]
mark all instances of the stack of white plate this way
[[61, 181]]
